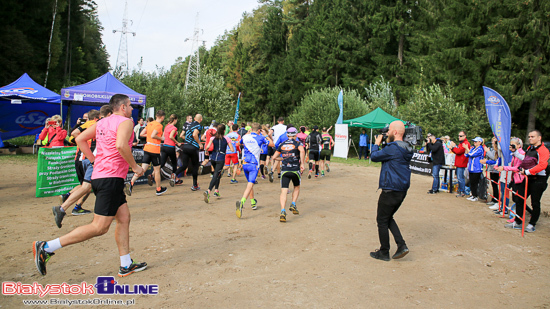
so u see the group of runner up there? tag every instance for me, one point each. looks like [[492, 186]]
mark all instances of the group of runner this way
[[107, 138]]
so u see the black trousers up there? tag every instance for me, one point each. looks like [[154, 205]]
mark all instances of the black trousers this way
[[388, 204], [168, 152], [535, 188], [363, 151], [218, 170], [190, 157], [474, 183]]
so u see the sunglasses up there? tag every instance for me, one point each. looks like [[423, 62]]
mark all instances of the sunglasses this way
[[461, 135]]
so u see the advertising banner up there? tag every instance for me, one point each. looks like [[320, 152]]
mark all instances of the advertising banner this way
[[420, 165], [500, 120], [56, 172], [341, 146]]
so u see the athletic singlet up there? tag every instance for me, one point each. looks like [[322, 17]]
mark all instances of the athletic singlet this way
[[290, 154], [108, 161], [189, 134], [153, 144], [327, 141], [252, 147], [301, 137], [169, 128], [314, 141], [235, 139], [220, 147], [264, 147]]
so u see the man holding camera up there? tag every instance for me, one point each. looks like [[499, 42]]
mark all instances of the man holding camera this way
[[435, 146], [395, 180]]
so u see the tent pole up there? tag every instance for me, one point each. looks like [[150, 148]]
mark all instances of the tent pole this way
[[370, 145]]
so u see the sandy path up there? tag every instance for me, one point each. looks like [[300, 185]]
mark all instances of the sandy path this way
[[202, 256]]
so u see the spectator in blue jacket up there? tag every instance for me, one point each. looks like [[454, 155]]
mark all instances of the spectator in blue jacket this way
[[395, 180], [363, 145], [474, 155]]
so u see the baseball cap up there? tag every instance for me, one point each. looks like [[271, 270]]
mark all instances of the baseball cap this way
[[214, 123], [291, 131], [478, 139]]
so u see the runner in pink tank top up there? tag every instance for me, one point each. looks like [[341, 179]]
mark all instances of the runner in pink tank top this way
[[114, 136], [109, 162]]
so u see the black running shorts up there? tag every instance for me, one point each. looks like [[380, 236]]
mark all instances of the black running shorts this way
[[79, 170], [270, 151], [263, 157], [314, 155], [288, 176], [325, 154], [149, 158], [109, 195]]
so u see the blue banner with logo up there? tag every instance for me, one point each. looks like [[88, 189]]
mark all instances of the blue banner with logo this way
[[500, 120], [237, 110], [341, 105]]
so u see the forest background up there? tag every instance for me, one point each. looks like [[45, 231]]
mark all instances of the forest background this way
[[421, 61]]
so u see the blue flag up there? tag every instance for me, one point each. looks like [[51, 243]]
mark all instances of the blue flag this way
[[500, 120], [237, 110], [341, 105]]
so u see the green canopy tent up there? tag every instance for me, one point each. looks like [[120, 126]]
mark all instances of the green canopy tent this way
[[377, 119]]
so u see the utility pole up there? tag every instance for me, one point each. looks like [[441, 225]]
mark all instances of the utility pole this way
[[122, 58], [193, 68]]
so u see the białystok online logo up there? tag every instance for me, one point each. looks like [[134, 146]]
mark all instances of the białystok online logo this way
[[104, 286]]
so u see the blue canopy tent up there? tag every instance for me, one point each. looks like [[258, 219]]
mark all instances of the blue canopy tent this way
[[98, 92], [25, 106]]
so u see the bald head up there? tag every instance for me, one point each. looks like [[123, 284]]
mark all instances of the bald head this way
[[396, 131], [198, 118]]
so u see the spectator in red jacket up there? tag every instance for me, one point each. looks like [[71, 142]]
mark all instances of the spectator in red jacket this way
[[461, 162], [55, 133]]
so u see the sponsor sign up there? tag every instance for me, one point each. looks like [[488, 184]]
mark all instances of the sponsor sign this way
[[420, 165], [56, 172]]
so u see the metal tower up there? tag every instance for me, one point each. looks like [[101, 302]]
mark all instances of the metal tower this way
[[193, 69], [122, 58]]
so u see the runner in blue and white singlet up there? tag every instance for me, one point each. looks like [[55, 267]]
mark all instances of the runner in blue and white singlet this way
[[252, 143]]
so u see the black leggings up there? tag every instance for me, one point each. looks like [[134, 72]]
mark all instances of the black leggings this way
[[496, 191], [218, 170], [168, 152], [474, 183], [190, 156]]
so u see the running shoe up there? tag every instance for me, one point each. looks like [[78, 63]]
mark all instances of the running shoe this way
[[265, 169], [128, 188], [460, 195], [179, 182], [150, 179], [530, 228], [255, 182], [316, 175], [513, 225], [200, 169], [172, 180], [211, 175], [161, 191], [133, 268], [294, 208], [279, 175], [282, 218], [206, 197], [263, 177], [228, 173], [377, 254], [254, 203], [322, 174], [80, 211], [217, 194], [41, 257], [401, 252], [328, 168], [63, 197], [58, 215], [271, 177], [309, 174], [195, 188], [234, 181], [239, 210]]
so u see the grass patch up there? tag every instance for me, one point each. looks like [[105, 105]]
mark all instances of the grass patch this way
[[27, 140], [24, 159], [355, 162]]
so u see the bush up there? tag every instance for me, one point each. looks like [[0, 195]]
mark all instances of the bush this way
[[320, 107], [380, 94]]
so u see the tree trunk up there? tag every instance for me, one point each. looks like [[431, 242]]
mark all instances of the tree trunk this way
[[400, 57], [532, 118]]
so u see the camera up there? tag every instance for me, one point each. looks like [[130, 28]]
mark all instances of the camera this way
[[384, 132]]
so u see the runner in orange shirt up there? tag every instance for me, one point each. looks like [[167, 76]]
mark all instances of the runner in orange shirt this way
[[151, 153]]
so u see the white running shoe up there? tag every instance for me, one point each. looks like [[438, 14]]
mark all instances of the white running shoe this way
[[494, 207]]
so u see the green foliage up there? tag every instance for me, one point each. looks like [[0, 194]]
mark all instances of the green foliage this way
[[22, 140], [320, 107], [436, 111], [380, 94]]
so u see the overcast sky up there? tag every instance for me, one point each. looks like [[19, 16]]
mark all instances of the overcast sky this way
[[161, 27]]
